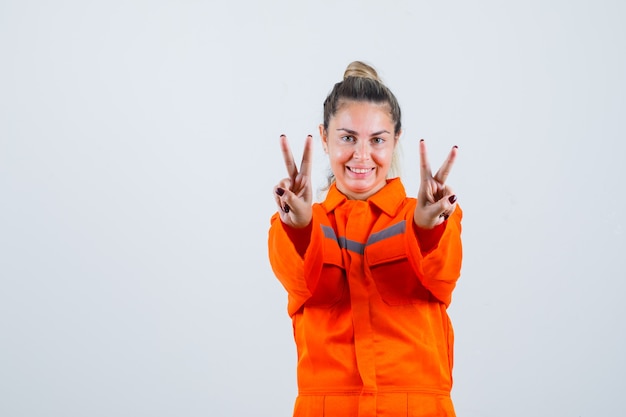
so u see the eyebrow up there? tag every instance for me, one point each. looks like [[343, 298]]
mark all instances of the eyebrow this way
[[353, 132]]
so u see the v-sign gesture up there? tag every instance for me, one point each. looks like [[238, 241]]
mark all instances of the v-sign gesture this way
[[435, 200], [293, 194]]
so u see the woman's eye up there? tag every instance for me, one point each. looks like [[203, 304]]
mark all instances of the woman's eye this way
[[378, 140], [347, 138]]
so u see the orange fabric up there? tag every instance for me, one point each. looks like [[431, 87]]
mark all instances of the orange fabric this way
[[368, 306]]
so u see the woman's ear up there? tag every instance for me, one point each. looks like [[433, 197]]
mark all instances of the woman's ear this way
[[324, 137]]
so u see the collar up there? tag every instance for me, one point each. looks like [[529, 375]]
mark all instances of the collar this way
[[388, 199]]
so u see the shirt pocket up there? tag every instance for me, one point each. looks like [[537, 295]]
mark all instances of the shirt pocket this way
[[332, 284], [393, 275]]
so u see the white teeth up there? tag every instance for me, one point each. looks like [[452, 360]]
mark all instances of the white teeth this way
[[360, 170]]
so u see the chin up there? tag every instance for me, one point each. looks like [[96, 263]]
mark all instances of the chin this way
[[362, 190]]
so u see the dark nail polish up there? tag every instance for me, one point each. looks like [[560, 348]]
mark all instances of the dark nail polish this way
[[445, 216], [421, 140], [287, 208], [455, 147], [283, 136], [280, 191], [309, 136], [452, 199]]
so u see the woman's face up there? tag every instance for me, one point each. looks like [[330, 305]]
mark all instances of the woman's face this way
[[360, 142]]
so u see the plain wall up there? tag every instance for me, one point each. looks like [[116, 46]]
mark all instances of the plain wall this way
[[139, 148]]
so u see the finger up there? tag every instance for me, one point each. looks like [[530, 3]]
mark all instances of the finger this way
[[278, 193], [425, 172], [306, 191], [292, 169], [289, 200], [307, 157], [447, 206], [300, 185], [285, 184], [446, 215], [442, 174]]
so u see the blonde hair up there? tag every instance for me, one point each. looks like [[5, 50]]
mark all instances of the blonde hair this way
[[360, 69]]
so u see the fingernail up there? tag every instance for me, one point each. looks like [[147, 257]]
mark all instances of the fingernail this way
[[421, 140], [280, 191], [445, 216], [455, 147], [309, 136], [287, 208], [283, 136], [452, 199]]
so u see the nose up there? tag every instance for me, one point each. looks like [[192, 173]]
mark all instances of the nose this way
[[362, 150]]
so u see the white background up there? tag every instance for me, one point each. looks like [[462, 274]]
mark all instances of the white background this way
[[139, 148]]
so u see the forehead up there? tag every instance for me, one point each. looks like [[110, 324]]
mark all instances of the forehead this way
[[363, 113]]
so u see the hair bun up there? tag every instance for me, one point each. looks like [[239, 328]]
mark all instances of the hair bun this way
[[362, 70]]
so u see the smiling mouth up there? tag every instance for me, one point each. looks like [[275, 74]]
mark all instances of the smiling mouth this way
[[360, 170]]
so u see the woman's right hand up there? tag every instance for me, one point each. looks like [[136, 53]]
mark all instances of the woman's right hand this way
[[293, 194]]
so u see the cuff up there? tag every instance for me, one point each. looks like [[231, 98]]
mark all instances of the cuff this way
[[299, 237], [429, 238]]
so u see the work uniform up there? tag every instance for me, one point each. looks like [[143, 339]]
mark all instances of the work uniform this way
[[367, 294]]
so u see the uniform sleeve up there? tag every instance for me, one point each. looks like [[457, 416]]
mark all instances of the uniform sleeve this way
[[436, 255], [298, 274]]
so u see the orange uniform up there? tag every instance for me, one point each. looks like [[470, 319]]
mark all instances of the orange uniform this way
[[367, 294]]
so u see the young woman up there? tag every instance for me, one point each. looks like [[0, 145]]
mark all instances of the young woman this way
[[369, 272]]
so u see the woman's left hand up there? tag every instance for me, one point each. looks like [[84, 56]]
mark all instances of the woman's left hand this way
[[435, 200]]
